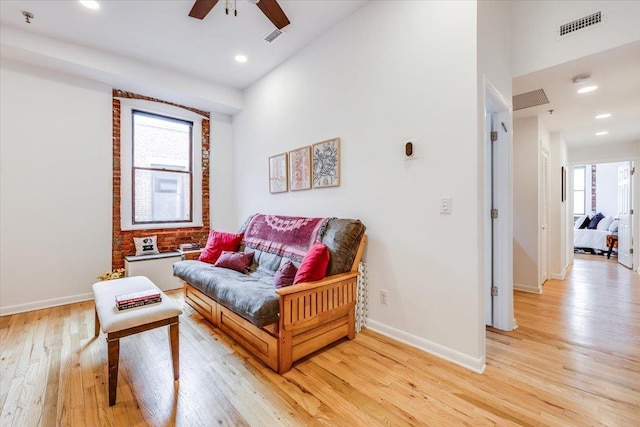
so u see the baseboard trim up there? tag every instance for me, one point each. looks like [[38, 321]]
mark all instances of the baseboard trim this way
[[527, 288], [473, 364], [48, 303], [562, 275]]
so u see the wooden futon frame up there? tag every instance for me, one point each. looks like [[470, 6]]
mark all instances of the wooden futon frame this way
[[312, 315]]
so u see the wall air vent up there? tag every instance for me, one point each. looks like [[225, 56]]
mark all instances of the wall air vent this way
[[273, 35], [578, 24], [530, 99]]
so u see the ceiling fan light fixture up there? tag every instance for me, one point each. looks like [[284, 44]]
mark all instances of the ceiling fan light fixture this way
[[90, 4], [253, 1], [587, 89], [603, 116], [241, 58]]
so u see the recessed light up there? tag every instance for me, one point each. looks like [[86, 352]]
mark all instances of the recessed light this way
[[241, 58], [603, 116], [587, 89], [602, 132], [91, 4]]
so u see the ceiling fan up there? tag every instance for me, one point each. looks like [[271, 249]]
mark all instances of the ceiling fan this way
[[270, 8]]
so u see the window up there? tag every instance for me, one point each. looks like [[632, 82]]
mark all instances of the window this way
[[160, 166], [579, 187], [162, 170]]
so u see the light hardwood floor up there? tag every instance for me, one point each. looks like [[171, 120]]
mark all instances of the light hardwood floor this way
[[574, 360]]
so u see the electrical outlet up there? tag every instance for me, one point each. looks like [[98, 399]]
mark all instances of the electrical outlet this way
[[384, 297]]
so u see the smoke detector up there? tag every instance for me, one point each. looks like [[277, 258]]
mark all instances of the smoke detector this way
[[581, 79]]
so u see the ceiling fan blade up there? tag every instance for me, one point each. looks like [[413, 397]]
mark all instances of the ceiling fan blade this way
[[201, 8], [274, 12]]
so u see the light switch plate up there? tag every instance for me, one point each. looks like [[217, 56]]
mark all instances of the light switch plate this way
[[445, 205]]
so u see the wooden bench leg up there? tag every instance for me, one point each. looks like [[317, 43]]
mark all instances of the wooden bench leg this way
[[114, 356], [175, 349], [96, 324]]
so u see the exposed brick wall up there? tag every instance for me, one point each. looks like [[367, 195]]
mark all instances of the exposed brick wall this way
[[168, 239]]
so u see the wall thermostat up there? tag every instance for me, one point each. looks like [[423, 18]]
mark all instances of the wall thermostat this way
[[410, 150]]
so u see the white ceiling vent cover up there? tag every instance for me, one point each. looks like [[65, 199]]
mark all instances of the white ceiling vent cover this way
[[579, 24], [273, 35], [530, 99]]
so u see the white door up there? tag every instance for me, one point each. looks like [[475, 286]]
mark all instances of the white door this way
[[544, 217], [625, 256]]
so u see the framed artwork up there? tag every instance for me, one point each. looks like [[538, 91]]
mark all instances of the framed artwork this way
[[278, 173], [326, 163], [300, 169]]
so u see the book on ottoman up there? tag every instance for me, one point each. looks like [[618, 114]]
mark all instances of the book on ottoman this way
[[139, 303], [137, 299]]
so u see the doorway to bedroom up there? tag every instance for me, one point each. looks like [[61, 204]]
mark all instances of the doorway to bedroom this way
[[602, 211]]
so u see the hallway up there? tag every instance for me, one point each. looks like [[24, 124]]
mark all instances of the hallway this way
[[577, 344]]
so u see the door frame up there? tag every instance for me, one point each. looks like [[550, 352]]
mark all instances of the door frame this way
[[635, 197], [501, 191]]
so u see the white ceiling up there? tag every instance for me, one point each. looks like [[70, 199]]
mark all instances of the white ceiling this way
[[616, 72], [161, 33]]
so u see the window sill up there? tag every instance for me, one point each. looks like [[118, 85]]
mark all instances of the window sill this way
[[165, 225]]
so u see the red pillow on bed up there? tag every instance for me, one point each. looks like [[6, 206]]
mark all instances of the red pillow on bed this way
[[218, 242], [314, 264]]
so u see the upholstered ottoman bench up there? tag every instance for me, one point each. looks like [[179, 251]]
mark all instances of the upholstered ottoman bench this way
[[118, 324]]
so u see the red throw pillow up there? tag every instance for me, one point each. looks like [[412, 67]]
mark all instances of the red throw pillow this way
[[314, 264], [218, 242], [285, 275], [238, 261]]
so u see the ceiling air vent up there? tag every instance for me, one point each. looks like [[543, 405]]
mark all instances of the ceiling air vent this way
[[530, 99], [273, 35], [578, 24]]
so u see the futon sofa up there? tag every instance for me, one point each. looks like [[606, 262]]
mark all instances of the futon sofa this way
[[281, 325]]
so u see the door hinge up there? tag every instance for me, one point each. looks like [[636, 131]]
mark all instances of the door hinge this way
[[633, 170], [494, 291], [494, 136], [494, 213], [631, 211], [631, 251]]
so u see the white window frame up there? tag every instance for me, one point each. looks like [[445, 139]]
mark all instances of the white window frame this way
[[126, 159], [584, 190]]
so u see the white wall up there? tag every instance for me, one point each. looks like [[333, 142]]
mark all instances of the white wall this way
[[607, 188], [559, 218], [377, 79], [55, 198], [222, 200], [56, 185], [526, 151], [535, 25], [494, 73]]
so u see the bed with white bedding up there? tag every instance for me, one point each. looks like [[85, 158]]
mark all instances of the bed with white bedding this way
[[590, 239], [586, 238]]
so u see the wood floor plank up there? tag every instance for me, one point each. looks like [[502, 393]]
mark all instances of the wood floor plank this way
[[574, 360]]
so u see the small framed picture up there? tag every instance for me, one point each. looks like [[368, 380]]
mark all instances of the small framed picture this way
[[300, 169], [326, 163], [278, 173]]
